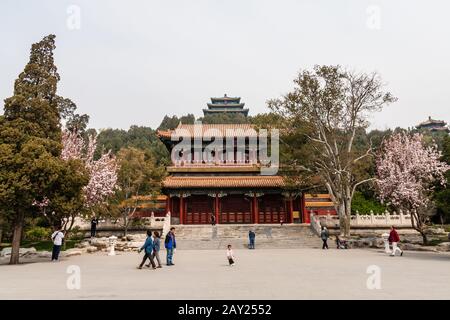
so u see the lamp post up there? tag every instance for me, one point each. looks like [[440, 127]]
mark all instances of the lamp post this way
[[112, 244]]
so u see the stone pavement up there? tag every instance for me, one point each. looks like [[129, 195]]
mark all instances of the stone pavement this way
[[258, 274]]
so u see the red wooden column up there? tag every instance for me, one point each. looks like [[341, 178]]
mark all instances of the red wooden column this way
[[291, 210], [255, 209], [216, 208], [181, 209], [305, 215], [168, 205]]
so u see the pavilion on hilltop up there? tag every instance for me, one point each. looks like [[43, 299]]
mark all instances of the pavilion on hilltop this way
[[433, 125], [225, 104]]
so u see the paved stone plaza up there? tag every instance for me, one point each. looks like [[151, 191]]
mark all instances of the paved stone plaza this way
[[258, 274]]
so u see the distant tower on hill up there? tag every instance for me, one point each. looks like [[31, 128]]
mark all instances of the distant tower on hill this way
[[433, 125], [225, 104]]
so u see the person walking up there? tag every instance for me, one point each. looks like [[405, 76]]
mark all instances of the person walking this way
[[251, 238], [324, 235], [394, 239], [57, 238], [94, 223], [156, 248], [170, 244], [230, 256], [148, 249], [213, 220]]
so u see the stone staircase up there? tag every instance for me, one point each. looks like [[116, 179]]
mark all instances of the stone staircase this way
[[267, 236]]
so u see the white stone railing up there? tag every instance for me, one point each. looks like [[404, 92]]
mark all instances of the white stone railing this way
[[112, 224], [385, 220]]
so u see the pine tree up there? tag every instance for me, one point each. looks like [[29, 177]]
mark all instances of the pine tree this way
[[30, 139]]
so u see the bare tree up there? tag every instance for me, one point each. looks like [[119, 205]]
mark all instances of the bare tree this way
[[333, 105]]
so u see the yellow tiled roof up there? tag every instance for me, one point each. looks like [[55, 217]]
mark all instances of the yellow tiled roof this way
[[224, 182]]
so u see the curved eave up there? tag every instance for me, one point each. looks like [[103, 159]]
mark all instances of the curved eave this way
[[225, 105], [209, 111], [237, 99], [172, 182]]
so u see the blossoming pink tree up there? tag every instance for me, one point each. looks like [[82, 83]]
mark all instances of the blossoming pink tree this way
[[102, 172], [407, 171]]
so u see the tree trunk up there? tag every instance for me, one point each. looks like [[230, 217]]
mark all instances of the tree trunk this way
[[346, 231], [1, 229], [348, 216], [125, 224], [345, 214], [17, 237], [68, 227], [342, 218], [419, 226], [424, 238]]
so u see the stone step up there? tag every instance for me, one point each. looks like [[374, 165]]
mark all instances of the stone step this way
[[192, 237], [222, 244], [287, 231]]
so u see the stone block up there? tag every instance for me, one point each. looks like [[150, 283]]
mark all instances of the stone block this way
[[72, 252], [6, 252], [91, 249], [44, 254], [443, 247]]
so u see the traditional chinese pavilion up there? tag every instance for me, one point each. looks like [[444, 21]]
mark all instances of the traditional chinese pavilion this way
[[231, 190], [318, 204], [148, 205], [433, 125], [225, 104], [230, 187]]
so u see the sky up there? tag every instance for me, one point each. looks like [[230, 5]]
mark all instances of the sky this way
[[132, 62]]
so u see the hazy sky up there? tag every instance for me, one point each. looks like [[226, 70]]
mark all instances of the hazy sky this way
[[132, 62]]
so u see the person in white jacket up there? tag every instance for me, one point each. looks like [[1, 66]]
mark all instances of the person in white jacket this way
[[230, 255], [57, 238]]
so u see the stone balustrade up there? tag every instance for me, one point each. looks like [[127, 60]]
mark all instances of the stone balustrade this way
[[116, 224], [385, 220]]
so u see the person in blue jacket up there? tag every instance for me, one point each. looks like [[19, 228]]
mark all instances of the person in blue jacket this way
[[148, 249], [156, 248], [251, 238], [170, 244]]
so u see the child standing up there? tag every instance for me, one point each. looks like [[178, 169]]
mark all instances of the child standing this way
[[230, 255]]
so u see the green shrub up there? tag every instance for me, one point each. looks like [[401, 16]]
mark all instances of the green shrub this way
[[364, 205], [38, 234], [76, 233]]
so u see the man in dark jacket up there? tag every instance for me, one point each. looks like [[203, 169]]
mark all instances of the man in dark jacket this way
[[251, 238], [170, 244], [94, 223], [324, 235], [148, 249]]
